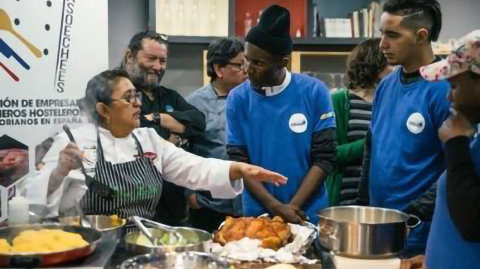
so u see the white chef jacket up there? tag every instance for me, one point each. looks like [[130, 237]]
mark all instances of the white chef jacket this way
[[176, 165]]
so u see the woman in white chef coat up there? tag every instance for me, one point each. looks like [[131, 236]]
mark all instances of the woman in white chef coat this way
[[133, 162]]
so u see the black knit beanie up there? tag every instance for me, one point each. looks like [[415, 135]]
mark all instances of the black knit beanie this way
[[273, 31]]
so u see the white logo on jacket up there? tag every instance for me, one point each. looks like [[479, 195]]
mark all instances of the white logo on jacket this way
[[298, 123], [416, 123]]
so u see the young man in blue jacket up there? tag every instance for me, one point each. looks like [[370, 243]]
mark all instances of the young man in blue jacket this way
[[283, 122], [404, 156]]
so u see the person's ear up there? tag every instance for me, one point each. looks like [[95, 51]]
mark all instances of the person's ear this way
[[102, 111], [218, 70], [128, 57], [285, 61], [422, 36]]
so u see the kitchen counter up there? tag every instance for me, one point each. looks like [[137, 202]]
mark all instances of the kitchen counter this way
[[121, 255], [110, 255]]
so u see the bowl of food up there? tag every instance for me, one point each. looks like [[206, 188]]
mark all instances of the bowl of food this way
[[110, 226], [182, 240], [168, 260], [38, 245]]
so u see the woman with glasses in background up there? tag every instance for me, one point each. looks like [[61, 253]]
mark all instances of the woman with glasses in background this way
[[131, 161], [226, 69]]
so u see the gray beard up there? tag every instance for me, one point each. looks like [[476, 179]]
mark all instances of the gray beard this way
[[140, 82], [138, 77]]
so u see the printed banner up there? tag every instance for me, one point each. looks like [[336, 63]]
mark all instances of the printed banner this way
[[48, 52]]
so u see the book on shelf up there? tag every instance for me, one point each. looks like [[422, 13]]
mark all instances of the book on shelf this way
[[366, 19], [377, 11], [338, 28], [363, 23], [355, 25], [316, 22]]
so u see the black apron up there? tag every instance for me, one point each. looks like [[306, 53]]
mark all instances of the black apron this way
[[137, 185]]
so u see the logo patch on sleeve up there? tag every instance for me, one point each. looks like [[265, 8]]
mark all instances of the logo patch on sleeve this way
[[327, 115]]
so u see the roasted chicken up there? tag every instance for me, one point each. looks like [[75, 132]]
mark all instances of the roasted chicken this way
[[274, 234]]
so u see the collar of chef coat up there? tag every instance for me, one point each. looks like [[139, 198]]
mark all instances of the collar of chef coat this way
[[271, 91]]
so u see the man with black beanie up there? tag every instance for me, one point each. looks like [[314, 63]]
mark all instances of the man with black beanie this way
[[282, 121]]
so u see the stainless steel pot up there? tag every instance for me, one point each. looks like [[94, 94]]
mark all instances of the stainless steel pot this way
[[203, 240], [111, 229], [176, 260], [364, 232]]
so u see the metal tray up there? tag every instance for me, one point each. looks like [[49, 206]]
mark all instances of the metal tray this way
[[30, 260], [169, 260]]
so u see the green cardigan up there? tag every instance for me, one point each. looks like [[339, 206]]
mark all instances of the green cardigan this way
[[346, 152]]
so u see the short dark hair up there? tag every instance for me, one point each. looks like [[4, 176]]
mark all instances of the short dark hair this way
[[100, 89], [222, 52], [418, 14], [135, 44], [365, 63]]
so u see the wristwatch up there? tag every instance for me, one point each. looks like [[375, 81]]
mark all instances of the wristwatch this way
[[156, 117]]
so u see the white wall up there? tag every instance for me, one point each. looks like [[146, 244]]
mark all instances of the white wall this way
[[459, 18], [125, 18]]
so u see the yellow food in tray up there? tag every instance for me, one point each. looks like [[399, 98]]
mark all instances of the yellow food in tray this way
[[44, 240], [4, 246]]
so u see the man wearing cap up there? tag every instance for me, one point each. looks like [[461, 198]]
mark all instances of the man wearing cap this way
[[454, 240], [404, 156], [282, 121]]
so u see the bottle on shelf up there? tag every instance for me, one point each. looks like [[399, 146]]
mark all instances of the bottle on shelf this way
[[167, 19], [298, 34], [194, 22], [181, 27], [259, 15]]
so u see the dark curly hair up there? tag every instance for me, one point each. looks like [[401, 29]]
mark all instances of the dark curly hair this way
[[222, 52], [100, 89], [365, 63], [418, 14]]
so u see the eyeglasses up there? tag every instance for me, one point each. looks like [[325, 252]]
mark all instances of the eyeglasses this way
[[164, 37], [153, 35], [131, 97], [237, 65]]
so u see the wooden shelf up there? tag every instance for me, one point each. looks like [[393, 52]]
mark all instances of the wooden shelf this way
[[326, 41], [296, 41], [192, 39]]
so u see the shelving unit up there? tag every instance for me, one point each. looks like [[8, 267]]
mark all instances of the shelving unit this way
[[326, 41], [297, 42], [311, 54], [296, 60], [235, 27], [205, 40]]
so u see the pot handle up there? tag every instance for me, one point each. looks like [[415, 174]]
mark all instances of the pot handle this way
[[419, 221], [25, 261]]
